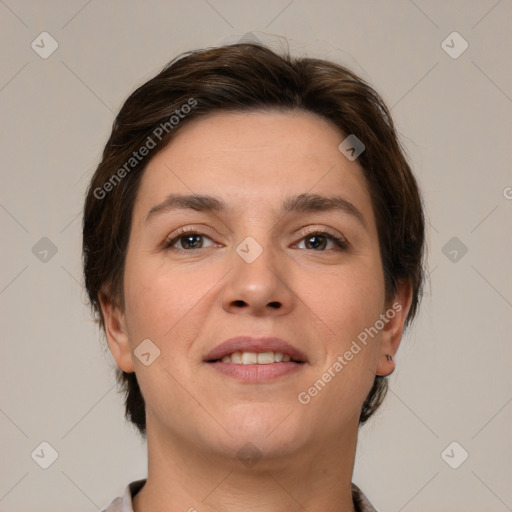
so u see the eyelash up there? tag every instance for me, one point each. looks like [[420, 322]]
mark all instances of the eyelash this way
[[340, 242]]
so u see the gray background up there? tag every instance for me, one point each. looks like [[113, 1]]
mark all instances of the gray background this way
[[452, 381]]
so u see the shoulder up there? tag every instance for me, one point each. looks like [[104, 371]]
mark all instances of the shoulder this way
[[361, 502], [124, 503]]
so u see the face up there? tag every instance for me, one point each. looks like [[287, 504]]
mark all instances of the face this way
[[310, 276]]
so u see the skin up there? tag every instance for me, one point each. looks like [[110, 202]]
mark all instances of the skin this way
[[319, 298]]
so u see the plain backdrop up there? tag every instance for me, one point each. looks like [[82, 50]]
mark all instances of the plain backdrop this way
[[450, 397]]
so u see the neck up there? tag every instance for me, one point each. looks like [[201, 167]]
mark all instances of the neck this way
[[185, 477]]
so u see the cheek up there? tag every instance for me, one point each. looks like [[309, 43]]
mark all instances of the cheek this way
[[162, 300], [348, 303], [348, 300]]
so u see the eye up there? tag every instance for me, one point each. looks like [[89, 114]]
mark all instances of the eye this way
[[314, 239], [189, 239]]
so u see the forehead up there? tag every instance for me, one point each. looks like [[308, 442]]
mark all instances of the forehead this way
[[254, 159]]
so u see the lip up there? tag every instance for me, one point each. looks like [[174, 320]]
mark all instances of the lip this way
[[255, 373], [258, 345]]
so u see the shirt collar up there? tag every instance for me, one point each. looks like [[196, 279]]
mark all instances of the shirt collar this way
[[125, 502]]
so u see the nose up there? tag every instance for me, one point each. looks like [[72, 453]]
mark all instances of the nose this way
[[258, 284]]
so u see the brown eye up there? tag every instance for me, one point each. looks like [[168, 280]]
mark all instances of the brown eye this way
[[318, 241], [188, 240]]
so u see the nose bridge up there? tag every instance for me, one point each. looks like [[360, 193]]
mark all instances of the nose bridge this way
[[258, 276], [256, 236], [256, 260]]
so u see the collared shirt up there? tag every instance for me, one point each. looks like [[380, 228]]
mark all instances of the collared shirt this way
[[125, 503]]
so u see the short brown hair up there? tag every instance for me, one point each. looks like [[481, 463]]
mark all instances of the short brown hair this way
[[248, 77]]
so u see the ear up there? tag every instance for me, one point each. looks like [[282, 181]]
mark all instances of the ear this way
[[391, 335], [116, 332]]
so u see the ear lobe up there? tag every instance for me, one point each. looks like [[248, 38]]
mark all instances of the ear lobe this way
[[116, 332], [391, 335]]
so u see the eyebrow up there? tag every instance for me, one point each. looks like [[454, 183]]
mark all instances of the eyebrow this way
[[299, 204]]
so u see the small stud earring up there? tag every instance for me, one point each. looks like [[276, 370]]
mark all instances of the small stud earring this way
[[390, 358]]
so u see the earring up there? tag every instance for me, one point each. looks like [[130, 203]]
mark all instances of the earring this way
[[389, 358]]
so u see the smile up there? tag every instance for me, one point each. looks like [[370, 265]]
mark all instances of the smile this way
[[256, 367], [257, 358]]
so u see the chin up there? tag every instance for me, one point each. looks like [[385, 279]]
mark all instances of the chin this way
[[273, 428]]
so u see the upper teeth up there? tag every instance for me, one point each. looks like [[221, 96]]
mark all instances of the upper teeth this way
[[254, 358]]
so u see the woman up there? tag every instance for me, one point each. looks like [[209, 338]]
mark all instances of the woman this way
[[253, 241]]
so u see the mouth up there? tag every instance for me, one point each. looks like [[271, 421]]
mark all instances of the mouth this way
[[256, 359]]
